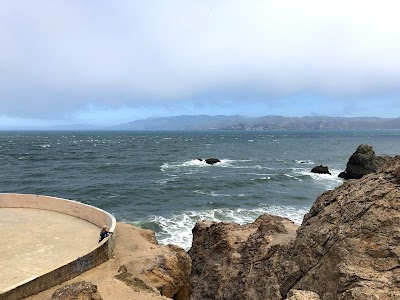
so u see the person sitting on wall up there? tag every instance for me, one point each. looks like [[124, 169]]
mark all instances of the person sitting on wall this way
[[104, 233]]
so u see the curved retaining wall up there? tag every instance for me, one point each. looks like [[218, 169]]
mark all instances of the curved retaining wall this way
[[101, 253]]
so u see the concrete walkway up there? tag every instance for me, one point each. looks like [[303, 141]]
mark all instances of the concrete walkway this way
[[36, 241]]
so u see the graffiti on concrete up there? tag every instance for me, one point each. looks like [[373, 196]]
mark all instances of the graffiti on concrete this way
[[82, 264]]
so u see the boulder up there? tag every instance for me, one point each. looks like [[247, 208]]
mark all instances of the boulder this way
[[321, 170], [212, 161], [82, 290], [363, 161], [347, 248]]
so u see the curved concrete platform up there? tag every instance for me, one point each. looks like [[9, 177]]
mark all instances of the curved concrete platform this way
[[48, 240]]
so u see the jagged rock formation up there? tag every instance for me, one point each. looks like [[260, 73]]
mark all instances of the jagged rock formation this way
[[81, 290], [363, 161], [321, 170], [347, 247], [228, 259]]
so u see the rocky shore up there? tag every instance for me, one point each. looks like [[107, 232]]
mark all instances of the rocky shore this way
[[347, 247]]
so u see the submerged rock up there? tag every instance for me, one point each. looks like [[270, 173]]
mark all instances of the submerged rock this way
[[212, 161], [346, 248]]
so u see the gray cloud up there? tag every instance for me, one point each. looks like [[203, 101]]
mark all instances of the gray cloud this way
[[66, 56]]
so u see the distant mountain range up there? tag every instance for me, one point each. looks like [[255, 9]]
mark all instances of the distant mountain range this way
[[237, 122]]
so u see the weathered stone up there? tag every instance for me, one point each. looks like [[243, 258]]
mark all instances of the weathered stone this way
[[227, 258], [321, 170], [168, 273], [363, 161], [81, 290], [302, 295]]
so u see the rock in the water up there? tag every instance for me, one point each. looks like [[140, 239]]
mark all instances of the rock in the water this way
[[321, 170], [81, 290], [363, 161], [212, 161], [347, 248]]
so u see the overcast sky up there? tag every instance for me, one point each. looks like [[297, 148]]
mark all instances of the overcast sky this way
[[110, 62]]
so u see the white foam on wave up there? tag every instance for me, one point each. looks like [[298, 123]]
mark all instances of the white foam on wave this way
[[305, 161], [329, 181], [195, 163], [261, 178], [211, 193], [177, 229]]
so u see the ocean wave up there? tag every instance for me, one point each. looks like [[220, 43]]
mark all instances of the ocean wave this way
[[45, 146], [196, 163], [305, 162], [177, 229], [215, 194], [329, 181]]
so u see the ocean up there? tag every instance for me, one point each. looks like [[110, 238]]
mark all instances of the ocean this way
[[153, 179]]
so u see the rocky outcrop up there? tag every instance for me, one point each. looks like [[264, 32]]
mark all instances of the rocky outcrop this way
[[346, 248], [81, 290], [320, 170], [228, 259], [170, 273], [363, 161]]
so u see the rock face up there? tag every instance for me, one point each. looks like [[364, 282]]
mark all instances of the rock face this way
[[348, 247], [321, 170], [170, 273], [363, 161], [228, 259]]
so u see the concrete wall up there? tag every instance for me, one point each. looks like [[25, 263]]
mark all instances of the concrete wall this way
[[101, 253]]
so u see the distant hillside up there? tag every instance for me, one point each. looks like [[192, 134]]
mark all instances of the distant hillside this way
[[237, 122]]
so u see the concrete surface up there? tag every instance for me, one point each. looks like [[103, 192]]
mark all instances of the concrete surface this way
[[36, 241]]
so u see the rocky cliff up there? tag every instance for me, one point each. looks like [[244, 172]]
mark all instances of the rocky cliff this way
[[348, 247]]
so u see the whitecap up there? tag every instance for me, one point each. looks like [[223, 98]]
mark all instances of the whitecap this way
[[328, 181], [305, 161], [294, 177]]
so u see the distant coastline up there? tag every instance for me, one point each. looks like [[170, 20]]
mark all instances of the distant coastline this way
[[234, 123]]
